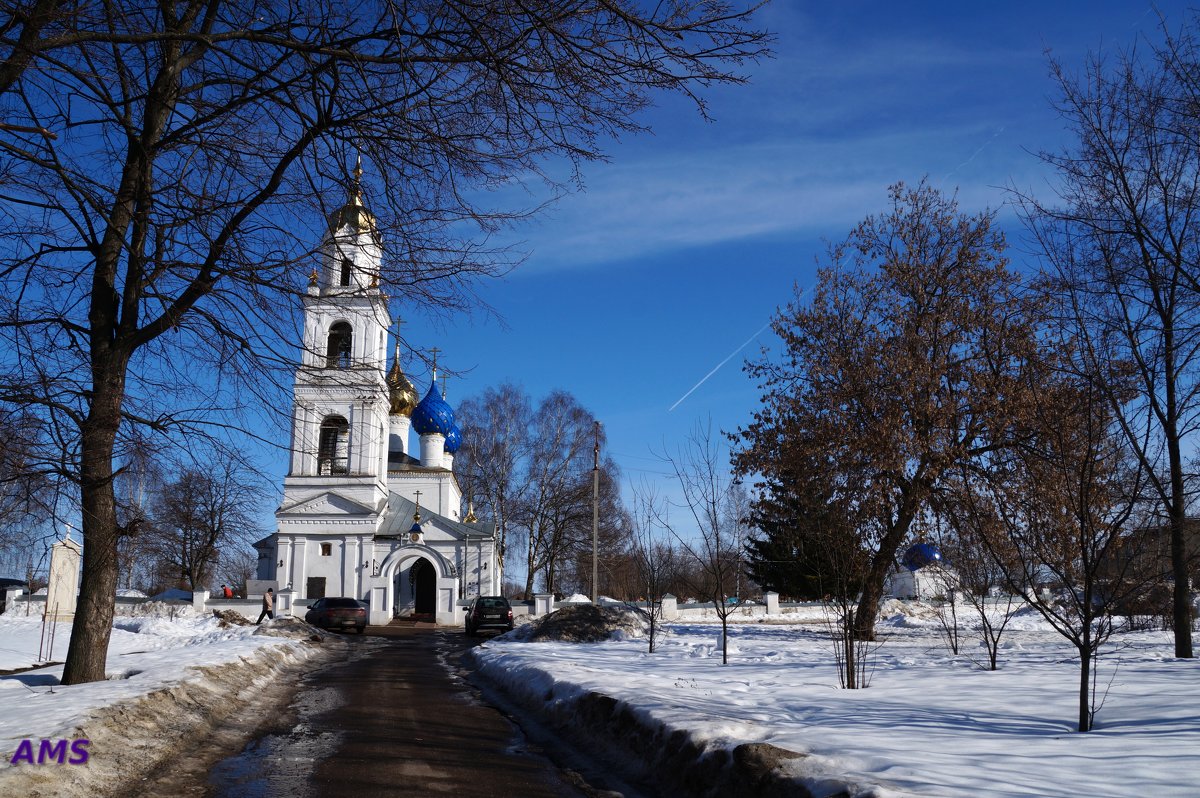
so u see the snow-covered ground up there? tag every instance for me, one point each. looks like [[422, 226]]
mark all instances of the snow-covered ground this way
[[930, 724], [169, 674]]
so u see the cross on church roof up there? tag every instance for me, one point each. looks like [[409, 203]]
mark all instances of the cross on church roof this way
[[434, 351]]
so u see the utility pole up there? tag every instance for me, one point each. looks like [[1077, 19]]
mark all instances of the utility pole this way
[[596, 516]]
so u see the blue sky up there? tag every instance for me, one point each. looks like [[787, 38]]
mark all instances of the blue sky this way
[[685, 243], [682, 246]]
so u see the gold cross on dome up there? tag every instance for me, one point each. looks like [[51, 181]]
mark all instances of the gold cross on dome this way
[[434, 351], [417, 513]]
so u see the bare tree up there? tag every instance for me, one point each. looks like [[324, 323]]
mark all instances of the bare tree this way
[[1064, 500], [495, 446], [209, 509], [902, 365], [158, 162], [654, 556], [1123, 242], [556, 514], [713, 517], [533, 468], [238, 565], [979, 573]]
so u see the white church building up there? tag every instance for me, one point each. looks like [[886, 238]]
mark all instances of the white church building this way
[[363, 514]]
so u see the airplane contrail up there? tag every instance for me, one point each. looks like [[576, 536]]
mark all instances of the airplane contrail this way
[[718, 366]]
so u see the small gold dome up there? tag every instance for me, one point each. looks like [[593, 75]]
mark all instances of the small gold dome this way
[[354, 214], [401, 393]]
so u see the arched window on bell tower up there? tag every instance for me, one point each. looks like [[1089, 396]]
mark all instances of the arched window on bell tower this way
[[337, 352], [333, 451], [347, 268]]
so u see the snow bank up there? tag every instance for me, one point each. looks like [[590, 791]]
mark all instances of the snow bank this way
[[582, 623], [169, 681], [930, 723]]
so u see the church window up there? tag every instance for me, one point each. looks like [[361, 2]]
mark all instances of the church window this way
[[333, 451], [337, 353], [347, 268], [326, 549]]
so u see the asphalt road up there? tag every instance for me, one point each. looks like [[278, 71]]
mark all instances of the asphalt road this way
[[399, 719]]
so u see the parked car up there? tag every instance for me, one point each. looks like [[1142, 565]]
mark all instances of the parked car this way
[[489, 612], [337, 613]]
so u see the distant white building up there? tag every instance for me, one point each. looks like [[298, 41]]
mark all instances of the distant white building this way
[[363, 515], [931, 581]]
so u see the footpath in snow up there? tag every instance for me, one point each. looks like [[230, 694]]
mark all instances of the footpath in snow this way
[[930, 723]]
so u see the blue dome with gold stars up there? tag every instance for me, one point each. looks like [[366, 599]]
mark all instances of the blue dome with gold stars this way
[[432, 414], [453, 440]]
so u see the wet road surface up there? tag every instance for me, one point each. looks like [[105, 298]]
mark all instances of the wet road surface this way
[[399, 718]]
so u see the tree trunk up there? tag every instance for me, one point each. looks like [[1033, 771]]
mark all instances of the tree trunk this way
[[1181, 605], [848, 634], [725, 638], [1085, 677], [872, 592], [1181, 611], [92, 628]]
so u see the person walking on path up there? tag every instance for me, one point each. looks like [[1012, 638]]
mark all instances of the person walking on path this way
[[268, 610]]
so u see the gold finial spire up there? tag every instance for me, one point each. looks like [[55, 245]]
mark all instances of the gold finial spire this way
[[356, 186], [354, 213], [470, 519], [417, 512], [313, 278]]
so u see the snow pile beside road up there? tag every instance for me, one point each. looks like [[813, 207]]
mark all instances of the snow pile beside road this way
[[169, 681], [582, 623]]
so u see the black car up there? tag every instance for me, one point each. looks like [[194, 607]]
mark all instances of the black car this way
[[337, 613], [489, 612]]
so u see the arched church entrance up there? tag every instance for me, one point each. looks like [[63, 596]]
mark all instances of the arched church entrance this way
[[422, 579]]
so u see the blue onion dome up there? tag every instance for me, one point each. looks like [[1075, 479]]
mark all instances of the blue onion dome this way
[[453, 440], [433, 415], [921, 555]]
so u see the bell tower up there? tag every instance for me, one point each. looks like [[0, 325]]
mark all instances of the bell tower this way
[[340, 408]]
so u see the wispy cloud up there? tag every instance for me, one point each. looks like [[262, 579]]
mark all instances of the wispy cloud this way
[[693, 198]]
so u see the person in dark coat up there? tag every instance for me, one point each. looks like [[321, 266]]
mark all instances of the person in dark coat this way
[[268, 610]]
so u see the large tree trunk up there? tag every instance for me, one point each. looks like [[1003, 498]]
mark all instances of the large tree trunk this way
[[88, 652], [872, 591], [1181, 609]]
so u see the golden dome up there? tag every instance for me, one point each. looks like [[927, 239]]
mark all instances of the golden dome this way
[[401, 393], [353, 214]]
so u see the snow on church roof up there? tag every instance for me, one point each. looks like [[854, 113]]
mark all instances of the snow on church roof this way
[[399, 518]]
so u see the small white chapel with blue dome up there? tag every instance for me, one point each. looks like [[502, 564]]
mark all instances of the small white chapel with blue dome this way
[[364, 514]]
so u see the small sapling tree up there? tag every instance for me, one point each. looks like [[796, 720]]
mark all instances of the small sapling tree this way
[[711, 504]]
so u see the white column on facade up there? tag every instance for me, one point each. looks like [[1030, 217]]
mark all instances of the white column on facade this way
[[354, 461], [381, 452], [296, 576], [283, 553], [305, 451]]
